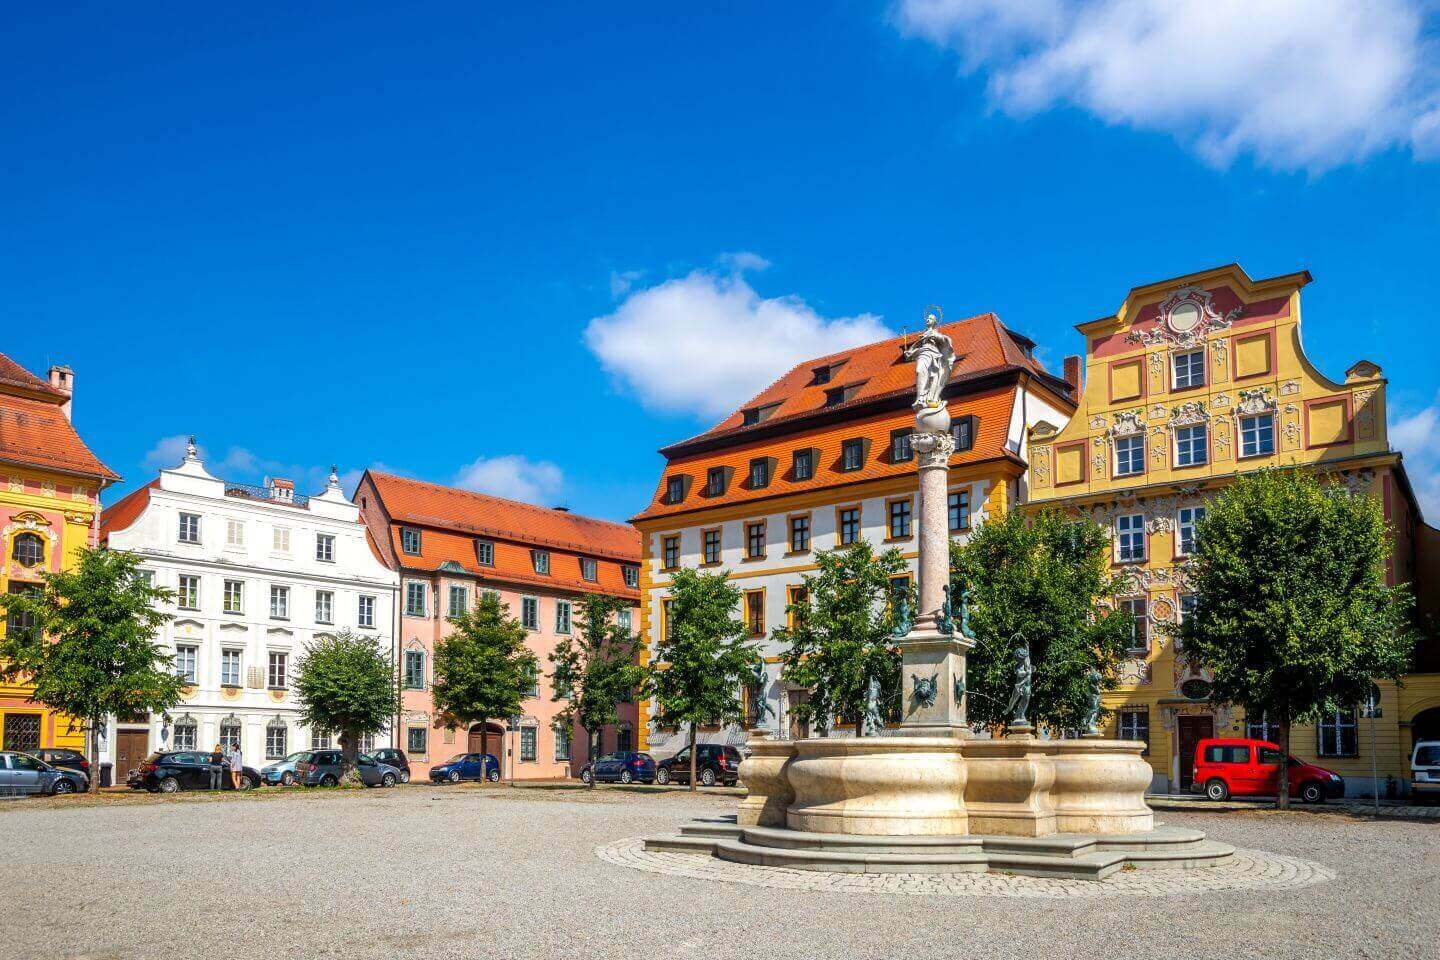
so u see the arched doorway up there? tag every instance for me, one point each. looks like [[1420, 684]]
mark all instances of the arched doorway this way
[[495, 735], [1425, 726]]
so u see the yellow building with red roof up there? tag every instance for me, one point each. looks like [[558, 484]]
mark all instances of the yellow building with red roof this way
[[820, 459], [50, 485]]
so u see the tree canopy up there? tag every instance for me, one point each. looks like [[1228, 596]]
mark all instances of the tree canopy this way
[[483, 670], [595, 668], [1038, 579], [346, 682]]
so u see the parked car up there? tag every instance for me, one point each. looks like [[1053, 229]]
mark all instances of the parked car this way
[[466, 766], [1425, 771], [1251, 768], [65, 759], [23, 773], [281, 773], [326, 768], [167, 771], [714, 763], [624, 767], [397, 759]]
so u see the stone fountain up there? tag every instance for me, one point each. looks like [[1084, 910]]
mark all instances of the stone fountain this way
[[929, 796]]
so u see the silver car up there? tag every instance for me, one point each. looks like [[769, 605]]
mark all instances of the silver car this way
[[22, 774]]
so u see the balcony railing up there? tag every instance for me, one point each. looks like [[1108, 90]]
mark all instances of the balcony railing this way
[[251, 491]]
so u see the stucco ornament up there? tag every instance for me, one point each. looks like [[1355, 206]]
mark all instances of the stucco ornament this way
[[1189, 414], [1289, 387], [1257, 401], [1097, 422], [1357, 482], [934, 356], [1128, 423], [1187, 316]]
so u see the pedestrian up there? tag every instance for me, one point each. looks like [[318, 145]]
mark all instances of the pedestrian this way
[[217, 757], [237, 765]]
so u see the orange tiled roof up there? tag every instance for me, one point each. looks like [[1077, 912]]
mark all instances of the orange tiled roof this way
[[991, 408], [123, 512], [35, 432], [983, 346]]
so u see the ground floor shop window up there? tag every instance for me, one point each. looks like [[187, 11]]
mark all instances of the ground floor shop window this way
[[22, 731], [1135, 725], [415, 738], [1336, 734], [562, 743], [186, 736], [1260, 728]]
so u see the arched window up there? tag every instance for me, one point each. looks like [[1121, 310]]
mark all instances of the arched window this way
[[230, 732], [28, 549], [186, 733], [277, 739]]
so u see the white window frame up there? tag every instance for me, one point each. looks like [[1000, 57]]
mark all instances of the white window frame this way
[[1122, 533], [325, 547], [187, 663], [1130, 726], [1141, 622], [405, 535], [1175, 383], [1115, 445], [189, 529], [424, 594], [280, 540], [630, 574], [234, 533], [272, 659], [229, 655], [1203, 448], [325, 607], [485, 553], [1186, 518], [563, 616], [365, 611], [461, 591], [530, 613], [233, 597], [277, 742], [540, 561], [589, 569], [1256, 419], [181, 593], [279, 602], [1335, 723]]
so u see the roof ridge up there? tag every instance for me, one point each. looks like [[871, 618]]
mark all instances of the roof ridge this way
[[548, 511]]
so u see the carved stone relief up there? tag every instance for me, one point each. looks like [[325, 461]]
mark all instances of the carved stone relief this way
[[1256, 401], [1187, 316], [1289, 387]]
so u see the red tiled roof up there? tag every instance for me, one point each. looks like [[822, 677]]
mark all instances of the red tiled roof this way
[[123, 512], [34, 430], [15, 376]]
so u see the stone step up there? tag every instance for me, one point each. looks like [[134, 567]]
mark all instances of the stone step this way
[[676, 843], [850, 861]]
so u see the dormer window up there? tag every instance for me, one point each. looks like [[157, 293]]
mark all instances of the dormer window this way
[[759, 473], [825, 374], [715, 481], [674, 489], [901, 450], [852, 454], [485, 553], [963, 431], [540, 560], [759, 414], [589, 569], [631, 574], [804, 464], [838, 395], [410, 541]]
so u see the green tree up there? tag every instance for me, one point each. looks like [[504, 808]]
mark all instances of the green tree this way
[[703, 661], [86, 640], [346, 682], [595, 669], [483, 670], [1292, 612], [842, 633], [1040, 580]]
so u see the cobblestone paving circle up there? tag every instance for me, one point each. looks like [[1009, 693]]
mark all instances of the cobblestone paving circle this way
[[1245, 870]]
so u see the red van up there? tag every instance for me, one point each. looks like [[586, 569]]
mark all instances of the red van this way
[[1251, 768]]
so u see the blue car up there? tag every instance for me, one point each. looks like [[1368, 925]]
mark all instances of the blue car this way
[[627, 766], [281, 773], [466, 766]]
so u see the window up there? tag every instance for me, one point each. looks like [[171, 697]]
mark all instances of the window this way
[[189, 528], [799, 534], [1137, 609], [325, 547], [186, 735], [230, 734], [759, 414], [799, 602], [624, 739], [1135, 725], [630, 574], [540, 560], [803, 465], [963, 430], [365, 614], [589, 570], [759, 473], [185, 658], [324, 606], [625, 619], [415, 739], [485, 553], [234, 533], [852, 454], [1336, 733], [823, 375], [414, 599], [527, 744], [899, 519], [277, 672], [1130, 531], [276, 741], [1186, 522], [28, 549], [959, 508], [562, 616], [459, 601], [849, 524], [562, 743], [280, 603], [530, 613], [1187, 607], [755, 612], [234, 596], [714, 481], [712, 546], [755, 540], [230, 668], [187, 597], [674, 489], [667, 608], [280, 540], [670, 552], [1129, 455], [147, 577], [1260, 728], [1188, 369], [1191, 448], [410, 541], [414, 675], [1257, 435], [901, 449]]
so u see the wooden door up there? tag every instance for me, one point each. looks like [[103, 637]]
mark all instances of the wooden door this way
[[1191, 731], [131, 749]]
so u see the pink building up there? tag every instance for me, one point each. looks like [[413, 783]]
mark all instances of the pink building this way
[[450, 546]]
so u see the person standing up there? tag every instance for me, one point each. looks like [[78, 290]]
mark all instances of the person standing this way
[[217, 758], [237, 765]]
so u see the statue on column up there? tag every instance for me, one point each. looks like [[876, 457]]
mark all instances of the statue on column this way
[[934, 356]]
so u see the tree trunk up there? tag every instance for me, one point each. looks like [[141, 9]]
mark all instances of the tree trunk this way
[[1283, 800], [591, 741], [484, 749], [694, 729], [93, 749]]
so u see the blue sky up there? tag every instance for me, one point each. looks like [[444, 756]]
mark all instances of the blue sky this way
[[521, 248]]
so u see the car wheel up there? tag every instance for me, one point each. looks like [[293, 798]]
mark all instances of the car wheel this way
[[404, 776], [707, 778], [1312, 793], [388, 780], [454, 776], [63, 786], [169, 785], [329, 780], [586, 776], [626, 776], [287, 779], [1217, 790], [493, 776], [662, 776]]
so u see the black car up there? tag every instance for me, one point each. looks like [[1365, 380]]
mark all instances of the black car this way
[[24, 774], [396, 758], [714, 763], [171, 770], [65, 759], [622, 767]]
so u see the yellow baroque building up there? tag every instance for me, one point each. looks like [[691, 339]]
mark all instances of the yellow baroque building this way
[[1191, 382], [50, 487]]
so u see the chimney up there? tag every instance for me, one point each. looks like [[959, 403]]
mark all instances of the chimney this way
[[1073, 374], [561, 509], [62, 378], [281, 490]]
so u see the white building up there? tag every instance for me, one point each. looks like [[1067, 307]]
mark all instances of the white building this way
[[257, 573]]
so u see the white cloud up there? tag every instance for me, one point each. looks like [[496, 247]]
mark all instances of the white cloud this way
[[167, 453], [245, 466], [1417, 436], [513, 476], [707, 342], [1297, 84], [621, 282]]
